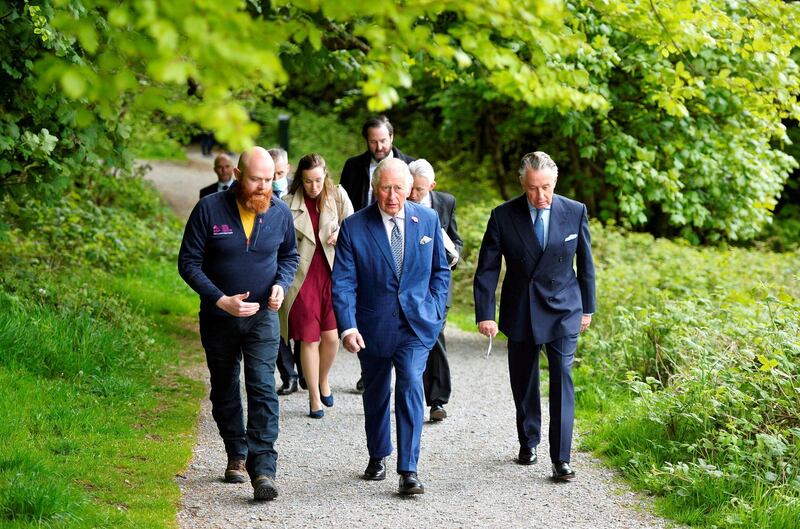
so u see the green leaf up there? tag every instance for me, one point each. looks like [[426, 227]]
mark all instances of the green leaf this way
[[73, 84]]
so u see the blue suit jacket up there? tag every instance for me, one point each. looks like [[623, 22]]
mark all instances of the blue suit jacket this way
[[542, 297], [368, 295]]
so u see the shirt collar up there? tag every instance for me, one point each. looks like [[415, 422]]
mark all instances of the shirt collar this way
[[532, 208], [400, 214]]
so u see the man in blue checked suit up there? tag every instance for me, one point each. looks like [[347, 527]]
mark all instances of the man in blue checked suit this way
[[390, 280], [544, 301]]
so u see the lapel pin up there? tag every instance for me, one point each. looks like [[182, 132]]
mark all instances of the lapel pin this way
[[414, 219]]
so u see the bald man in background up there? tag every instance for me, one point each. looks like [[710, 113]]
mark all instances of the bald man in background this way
[[223, 167]]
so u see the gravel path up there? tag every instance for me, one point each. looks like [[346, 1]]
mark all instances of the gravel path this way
[[180, 182], [467, 461]]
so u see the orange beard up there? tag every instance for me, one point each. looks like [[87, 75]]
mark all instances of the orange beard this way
[[255, 202]]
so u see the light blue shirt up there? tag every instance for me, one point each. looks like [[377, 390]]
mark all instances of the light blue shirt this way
[[545, 221]]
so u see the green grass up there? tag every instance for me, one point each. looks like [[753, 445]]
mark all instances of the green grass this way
[[97, 417]]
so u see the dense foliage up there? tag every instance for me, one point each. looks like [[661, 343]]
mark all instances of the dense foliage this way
[[690, 140], [664, 117], [708, 343]]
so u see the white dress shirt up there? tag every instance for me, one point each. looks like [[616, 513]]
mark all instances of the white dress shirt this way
[[401, 224], [426, 201]]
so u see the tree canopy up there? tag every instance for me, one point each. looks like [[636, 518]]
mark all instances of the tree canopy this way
[[665, 116]]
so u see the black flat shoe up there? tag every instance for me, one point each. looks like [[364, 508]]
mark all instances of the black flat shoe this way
[[410, 484], [316, 414], [527, 456], [376, 469], [288, 387], [438, 413], [562, 471]]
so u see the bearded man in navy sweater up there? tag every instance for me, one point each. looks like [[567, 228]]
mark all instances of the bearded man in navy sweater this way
[[239, 254]]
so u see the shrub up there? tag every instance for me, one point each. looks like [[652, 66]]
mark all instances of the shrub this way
[[707, 341]]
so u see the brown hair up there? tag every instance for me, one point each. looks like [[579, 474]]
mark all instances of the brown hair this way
[[306, 163]]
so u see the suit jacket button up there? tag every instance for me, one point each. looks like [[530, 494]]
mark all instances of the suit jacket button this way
[[551, 299], [560, 259], [394, 314]]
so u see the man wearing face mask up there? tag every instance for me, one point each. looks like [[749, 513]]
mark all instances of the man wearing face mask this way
[[281, 183], [289, 367]]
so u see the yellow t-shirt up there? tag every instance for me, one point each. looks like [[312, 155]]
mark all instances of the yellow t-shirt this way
[[248, 220]]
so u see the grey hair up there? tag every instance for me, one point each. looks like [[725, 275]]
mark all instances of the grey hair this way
[[278, 154], [538, 161], [392, 163], [422, 167]]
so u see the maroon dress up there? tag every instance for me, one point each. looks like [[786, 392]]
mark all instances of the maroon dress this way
[[312, 310]]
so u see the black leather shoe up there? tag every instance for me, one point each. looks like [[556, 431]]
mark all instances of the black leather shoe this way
[[562, 471], [288, 387], [376, 469], [438, 413], [527, 456], [360, 385], [410, 484]]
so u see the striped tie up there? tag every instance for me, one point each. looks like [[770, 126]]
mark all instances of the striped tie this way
[[397, 247]]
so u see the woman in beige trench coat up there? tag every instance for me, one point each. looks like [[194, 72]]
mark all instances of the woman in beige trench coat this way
[[318, 208]]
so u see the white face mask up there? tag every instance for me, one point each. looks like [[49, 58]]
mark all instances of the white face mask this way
[[280, 185]]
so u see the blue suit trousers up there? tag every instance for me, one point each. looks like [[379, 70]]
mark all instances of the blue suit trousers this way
[[408, 358]]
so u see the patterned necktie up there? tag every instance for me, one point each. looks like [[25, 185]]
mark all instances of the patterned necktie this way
[[538, 227], [397, 247]]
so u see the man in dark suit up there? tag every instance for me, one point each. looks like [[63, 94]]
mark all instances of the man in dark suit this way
[[223, 166], [357, 173], [543, 302], [390, 280], [436, 379], [288, 364]]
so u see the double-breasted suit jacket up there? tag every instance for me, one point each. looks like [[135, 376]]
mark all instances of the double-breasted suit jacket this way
[[543, 297]]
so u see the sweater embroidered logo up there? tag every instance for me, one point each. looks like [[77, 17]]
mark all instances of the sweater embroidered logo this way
[[222, 230]]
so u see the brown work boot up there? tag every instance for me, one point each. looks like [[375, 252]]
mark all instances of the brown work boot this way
[[264, 488], [235, 471]]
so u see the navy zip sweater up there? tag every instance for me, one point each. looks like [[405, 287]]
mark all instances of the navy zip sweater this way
[[217, 259]]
